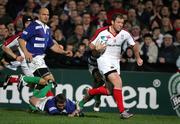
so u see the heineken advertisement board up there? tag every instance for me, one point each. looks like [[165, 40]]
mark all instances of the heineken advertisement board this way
[[144, 92]]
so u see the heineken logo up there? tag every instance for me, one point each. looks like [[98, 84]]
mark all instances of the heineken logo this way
[[175, 101], [174, 92]]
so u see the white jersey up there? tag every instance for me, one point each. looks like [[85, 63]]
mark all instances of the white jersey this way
[[113, 43], [110, 58]]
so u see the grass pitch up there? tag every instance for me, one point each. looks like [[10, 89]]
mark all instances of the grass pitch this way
[[23, 117]]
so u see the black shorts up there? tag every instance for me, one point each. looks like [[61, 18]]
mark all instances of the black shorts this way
[[42, 72]]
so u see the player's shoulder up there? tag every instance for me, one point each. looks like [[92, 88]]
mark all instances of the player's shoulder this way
[[39, 24], [102, 28], [11, 39], [34, 25], [98, 32], [125, 31]]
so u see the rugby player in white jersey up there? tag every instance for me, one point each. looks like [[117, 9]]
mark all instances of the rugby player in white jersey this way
[[11, 45], [106, 44]]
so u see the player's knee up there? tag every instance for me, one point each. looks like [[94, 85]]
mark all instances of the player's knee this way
[[31, 100], [43, 81]]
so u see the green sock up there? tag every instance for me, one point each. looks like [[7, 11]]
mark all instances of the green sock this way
[[42, 93], [81, 103], [31, 80], [33, 108]]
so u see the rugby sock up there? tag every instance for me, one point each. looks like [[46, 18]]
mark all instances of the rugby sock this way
[[43, 92], [100, 90], [81, 104], [32, 108], [97, 98], [31, 80], [117, 93]]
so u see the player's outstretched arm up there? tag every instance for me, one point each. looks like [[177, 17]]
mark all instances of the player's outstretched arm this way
[[136, 53], [59, 49]]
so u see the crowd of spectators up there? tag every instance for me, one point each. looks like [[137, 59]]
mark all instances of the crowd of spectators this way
[[154, 24]]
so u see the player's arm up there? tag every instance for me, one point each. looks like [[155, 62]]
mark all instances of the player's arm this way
[[97, 48], [59, 49], [137, 56], [135, 47], [8, 51], [8, 44]]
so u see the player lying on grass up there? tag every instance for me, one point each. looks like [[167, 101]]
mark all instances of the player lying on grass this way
[[57, 105]]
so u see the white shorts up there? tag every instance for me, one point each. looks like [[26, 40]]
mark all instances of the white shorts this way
[[37, 62], [106, 65], [25, 68], [41, 104]]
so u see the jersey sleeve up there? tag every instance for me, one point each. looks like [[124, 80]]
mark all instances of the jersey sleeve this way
[[130, 39], [96, 37], [96, 40], [53, 110], [70, 106], [28, 32], [12, 41]]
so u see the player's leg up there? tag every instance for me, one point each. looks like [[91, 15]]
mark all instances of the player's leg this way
[[26, 69], [38, 103], [39, 91], [34, 80], [85, 99], [115, 79], [29, 80], [34, 100], [42, 92], [46, 75], [90, 93]]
